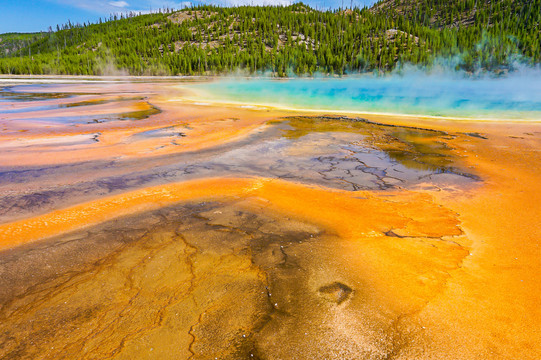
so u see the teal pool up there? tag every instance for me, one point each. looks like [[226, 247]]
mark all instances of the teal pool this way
[[516, 97]]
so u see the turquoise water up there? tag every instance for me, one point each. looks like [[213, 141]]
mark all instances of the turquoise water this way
[[513, 97]]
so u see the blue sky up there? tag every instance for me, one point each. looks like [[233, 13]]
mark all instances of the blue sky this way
[[38, 15]]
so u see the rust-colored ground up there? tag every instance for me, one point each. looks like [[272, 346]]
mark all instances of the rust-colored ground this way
[[243, 266]]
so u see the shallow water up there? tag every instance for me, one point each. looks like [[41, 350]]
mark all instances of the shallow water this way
[[196, 232], [203, 280], [336, 152], [516, 96]]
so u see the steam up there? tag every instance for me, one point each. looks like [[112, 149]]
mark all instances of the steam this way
[[472, 85], [439, 92], [107, 67]]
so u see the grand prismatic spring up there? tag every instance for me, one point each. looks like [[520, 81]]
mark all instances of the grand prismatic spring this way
[[300, 219]]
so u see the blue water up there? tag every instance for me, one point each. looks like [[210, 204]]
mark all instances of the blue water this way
[[517, 96]]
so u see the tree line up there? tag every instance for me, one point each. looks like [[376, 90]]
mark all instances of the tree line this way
[[207, 40]]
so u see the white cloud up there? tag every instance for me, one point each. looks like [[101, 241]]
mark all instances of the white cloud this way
[[120, 4], [94, 6], [255, 2], [106, 7]]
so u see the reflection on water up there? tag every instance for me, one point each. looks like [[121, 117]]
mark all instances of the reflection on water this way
[[328, 253], [418, 149], [339, 153], [7, 95]]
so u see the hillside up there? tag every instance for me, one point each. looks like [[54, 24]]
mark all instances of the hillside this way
[[294, 39], [12, 42], [457, 13]]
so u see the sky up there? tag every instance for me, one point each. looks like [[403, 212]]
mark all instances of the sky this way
[[38, 15]]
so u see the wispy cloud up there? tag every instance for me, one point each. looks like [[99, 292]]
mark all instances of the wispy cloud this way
[[115, 6], [108, 6], [253, 2], [94, 6], [120, 4]]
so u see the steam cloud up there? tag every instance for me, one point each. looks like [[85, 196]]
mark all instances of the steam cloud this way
[[410, 90]]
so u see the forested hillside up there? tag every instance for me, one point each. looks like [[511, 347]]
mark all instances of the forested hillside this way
[[469, 34], [13, 42]]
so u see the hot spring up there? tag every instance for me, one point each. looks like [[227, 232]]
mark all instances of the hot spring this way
[[516, 96]]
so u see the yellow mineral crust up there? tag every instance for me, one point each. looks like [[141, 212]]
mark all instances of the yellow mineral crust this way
[[425, 273]]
